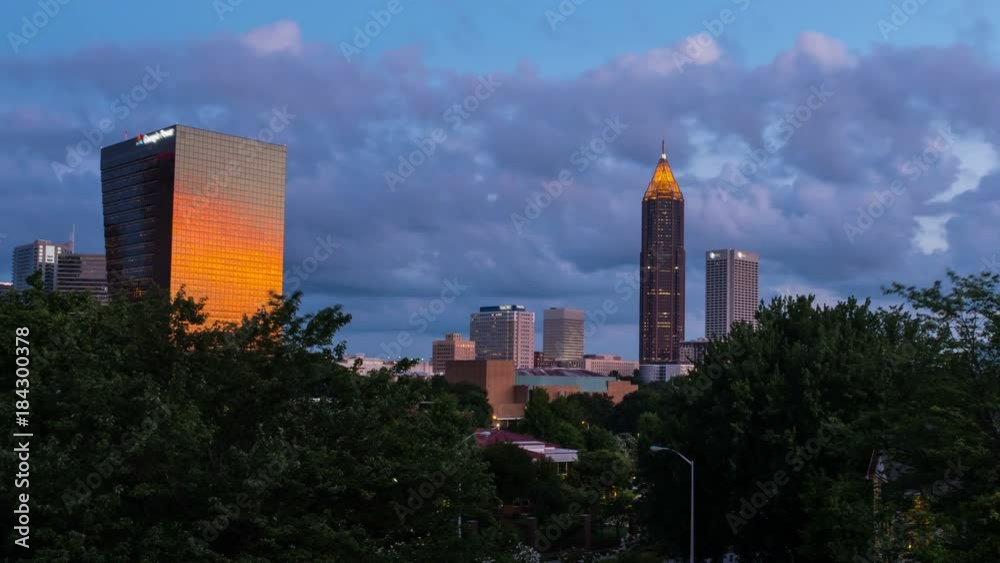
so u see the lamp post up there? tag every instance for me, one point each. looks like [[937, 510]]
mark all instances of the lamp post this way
[[691, 463], [484, 434]]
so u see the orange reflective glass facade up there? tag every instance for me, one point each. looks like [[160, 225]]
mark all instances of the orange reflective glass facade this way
[[210, 216]]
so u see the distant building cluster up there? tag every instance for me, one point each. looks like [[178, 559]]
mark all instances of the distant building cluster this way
[[60, 269], [183, 208]]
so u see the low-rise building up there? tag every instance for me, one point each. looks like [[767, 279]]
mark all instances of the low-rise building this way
[[507, 388], [535, 448], [451, 348], [604, 364], [651, 373], [367, 365]]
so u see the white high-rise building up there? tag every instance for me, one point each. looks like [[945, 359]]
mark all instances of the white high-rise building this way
[[731, 291], [40, 255], [562, 332], [504, 332]]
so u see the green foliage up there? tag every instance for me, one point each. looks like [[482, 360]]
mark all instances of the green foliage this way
[[158, 438], [513, 471], [782, 422]]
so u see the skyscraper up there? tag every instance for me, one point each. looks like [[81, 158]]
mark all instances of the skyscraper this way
[[562, 332], [504, 332], [661, 268], [185, 207], [40, 255], [730, 289], [451, 348]]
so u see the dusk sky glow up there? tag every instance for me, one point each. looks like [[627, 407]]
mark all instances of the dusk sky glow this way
[[851, 144]]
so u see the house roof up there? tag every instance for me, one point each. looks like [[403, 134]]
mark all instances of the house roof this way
[[534, 447]]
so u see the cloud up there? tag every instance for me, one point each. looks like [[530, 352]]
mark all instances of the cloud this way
[[452, 218], [280, 37]]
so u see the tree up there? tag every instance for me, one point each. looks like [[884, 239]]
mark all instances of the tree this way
[[783, 420], [513, 471], [160, 438]]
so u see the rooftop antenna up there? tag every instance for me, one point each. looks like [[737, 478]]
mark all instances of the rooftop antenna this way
[[72, 239], [663, 149]]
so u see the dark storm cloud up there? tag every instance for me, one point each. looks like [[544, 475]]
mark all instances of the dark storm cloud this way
[[394, 250]]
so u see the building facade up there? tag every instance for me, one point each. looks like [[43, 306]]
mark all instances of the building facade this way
[[661, 268], [82, 273], [652, 373], [562, 334], [451, 348], [604, 364], [199, 210], [504, 332], [40, 255], [693, 350], [731, 292], [508, 388]]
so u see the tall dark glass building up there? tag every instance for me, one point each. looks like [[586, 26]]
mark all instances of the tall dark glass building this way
[[186, 207], [661, 268]]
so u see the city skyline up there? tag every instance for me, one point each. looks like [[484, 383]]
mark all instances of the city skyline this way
[[387, 255]]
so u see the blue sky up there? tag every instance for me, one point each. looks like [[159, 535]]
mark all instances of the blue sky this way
[[893, 91], [494, 36]]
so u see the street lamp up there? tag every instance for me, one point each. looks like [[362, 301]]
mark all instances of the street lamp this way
[[691, 463], [484, 434]]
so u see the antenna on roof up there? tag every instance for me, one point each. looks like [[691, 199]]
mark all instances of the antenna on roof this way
[[72, 239], [663, 149]]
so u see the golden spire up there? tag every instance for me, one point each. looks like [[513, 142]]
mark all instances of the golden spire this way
[[663, 185]]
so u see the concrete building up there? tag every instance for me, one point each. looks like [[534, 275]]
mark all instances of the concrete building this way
[[504, 332], [367, 365], [82, 273], [731, 292], [651, 373], [507, 388], [496, 377], [562, 334], [661, 268], [451, 348], [40, 255], [560, 382], [186, 207], [5, 288], [693, 350], [607, 363], [542, 362]]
